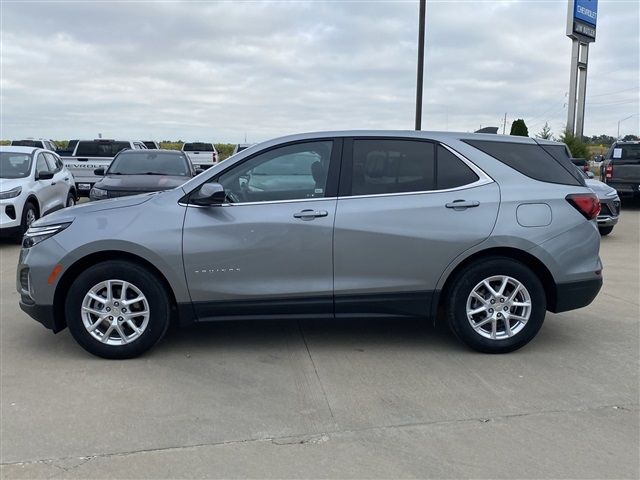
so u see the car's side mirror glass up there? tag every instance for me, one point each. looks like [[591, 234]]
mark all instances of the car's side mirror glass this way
[[44, 175], [99, 172], [209, 194]]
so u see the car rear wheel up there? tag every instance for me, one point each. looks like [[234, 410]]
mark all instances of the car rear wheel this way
[[117, 310], [605, 230], [496, 305]]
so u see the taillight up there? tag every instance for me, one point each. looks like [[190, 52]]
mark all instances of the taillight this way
[[586, 203], [608, 172]]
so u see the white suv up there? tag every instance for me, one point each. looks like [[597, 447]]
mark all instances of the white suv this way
[[33, 182]]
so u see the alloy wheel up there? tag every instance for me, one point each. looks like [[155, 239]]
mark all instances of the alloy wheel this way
[[498, 307], [115, 312]]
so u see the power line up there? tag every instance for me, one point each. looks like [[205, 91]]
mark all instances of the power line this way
[[614, 93]]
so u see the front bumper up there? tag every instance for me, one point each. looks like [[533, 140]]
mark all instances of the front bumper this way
[[570, 296], [610, 210], [11, 213], [43, 314]]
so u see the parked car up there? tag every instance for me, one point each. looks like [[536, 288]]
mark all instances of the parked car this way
[[142, 171], [609, 203], [35, 143], [33, 183], [202, 155], [490, 229], [151, 145], [581, 163], [621, 168], [90, 155]]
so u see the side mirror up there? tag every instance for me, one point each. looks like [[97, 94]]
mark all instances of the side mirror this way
[[209, 194], [590, 174], [99, 172], [45, 175], [199, 171]]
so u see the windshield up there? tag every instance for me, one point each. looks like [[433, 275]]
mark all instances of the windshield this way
[[15, 165], [27, 143], [150, 163], [100, 148], [198, 147]]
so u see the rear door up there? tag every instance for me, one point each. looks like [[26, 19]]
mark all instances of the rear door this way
[[268, 251], [406, 209]]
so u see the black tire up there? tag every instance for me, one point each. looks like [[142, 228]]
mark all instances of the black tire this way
[[150, 286], [24, 226], [604, 231], [71, 199], [462, 286]]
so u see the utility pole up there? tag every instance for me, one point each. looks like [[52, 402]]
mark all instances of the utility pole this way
[[423, 8], [504, 123]]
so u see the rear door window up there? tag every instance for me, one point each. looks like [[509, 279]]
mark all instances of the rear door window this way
[[531, 160], [452, 172], [382, 166]]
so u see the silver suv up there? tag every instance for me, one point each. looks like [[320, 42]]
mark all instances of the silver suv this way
[[491, 230]]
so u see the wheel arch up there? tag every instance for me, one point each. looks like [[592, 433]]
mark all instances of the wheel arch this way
[[535, 264], [33, 199], [182, 314]]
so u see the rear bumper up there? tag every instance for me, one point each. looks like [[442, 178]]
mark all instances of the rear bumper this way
[[570, 296], [625, 188]]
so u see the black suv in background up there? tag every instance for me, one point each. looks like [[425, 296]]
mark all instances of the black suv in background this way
[[621, 168]]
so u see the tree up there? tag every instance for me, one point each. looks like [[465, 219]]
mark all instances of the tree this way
[[630, 138], [518, 127], [576, 145], [545, 133]]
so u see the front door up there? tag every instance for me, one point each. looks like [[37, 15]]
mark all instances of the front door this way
[[268, 251]]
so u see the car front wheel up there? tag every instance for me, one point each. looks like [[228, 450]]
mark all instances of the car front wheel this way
[[496, 305], [605, 230], [117, 309]]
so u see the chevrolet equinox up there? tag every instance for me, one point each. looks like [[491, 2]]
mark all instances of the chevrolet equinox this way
[[491, 230]]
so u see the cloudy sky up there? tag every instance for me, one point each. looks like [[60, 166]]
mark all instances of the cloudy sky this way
[[221, 71]]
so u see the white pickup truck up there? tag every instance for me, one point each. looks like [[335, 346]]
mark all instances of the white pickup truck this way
[[202, 155], [89, 155]]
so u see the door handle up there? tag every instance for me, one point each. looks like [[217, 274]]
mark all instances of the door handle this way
[[53, 183], [462, 204], [310, 214]]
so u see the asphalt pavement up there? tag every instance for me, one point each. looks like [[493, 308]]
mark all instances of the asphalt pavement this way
[[356, 399]]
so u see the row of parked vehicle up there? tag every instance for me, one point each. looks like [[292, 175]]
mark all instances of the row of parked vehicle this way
[[37, 178]]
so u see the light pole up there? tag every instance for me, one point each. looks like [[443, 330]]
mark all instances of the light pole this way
[[622, 120], [423, 8]]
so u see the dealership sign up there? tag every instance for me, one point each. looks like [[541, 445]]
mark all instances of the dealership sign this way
[[582, 17]]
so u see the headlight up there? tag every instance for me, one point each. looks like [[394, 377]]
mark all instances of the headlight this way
[[14, 192], [35, 235], [98, 193]]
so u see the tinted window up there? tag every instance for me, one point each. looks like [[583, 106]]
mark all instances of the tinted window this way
[[530, 160], [100, 148], [392, 166], [198, 147], [452, 172], [151, 163], [286, 173], [15, 165], [27, 143], [150, 145], [627, 154]]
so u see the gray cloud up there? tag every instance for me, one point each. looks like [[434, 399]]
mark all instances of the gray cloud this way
[[220, 70]]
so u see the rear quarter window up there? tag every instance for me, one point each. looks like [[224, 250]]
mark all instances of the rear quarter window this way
[[531, 160]]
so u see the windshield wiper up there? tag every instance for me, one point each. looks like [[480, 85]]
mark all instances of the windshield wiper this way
[[154, 173]]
